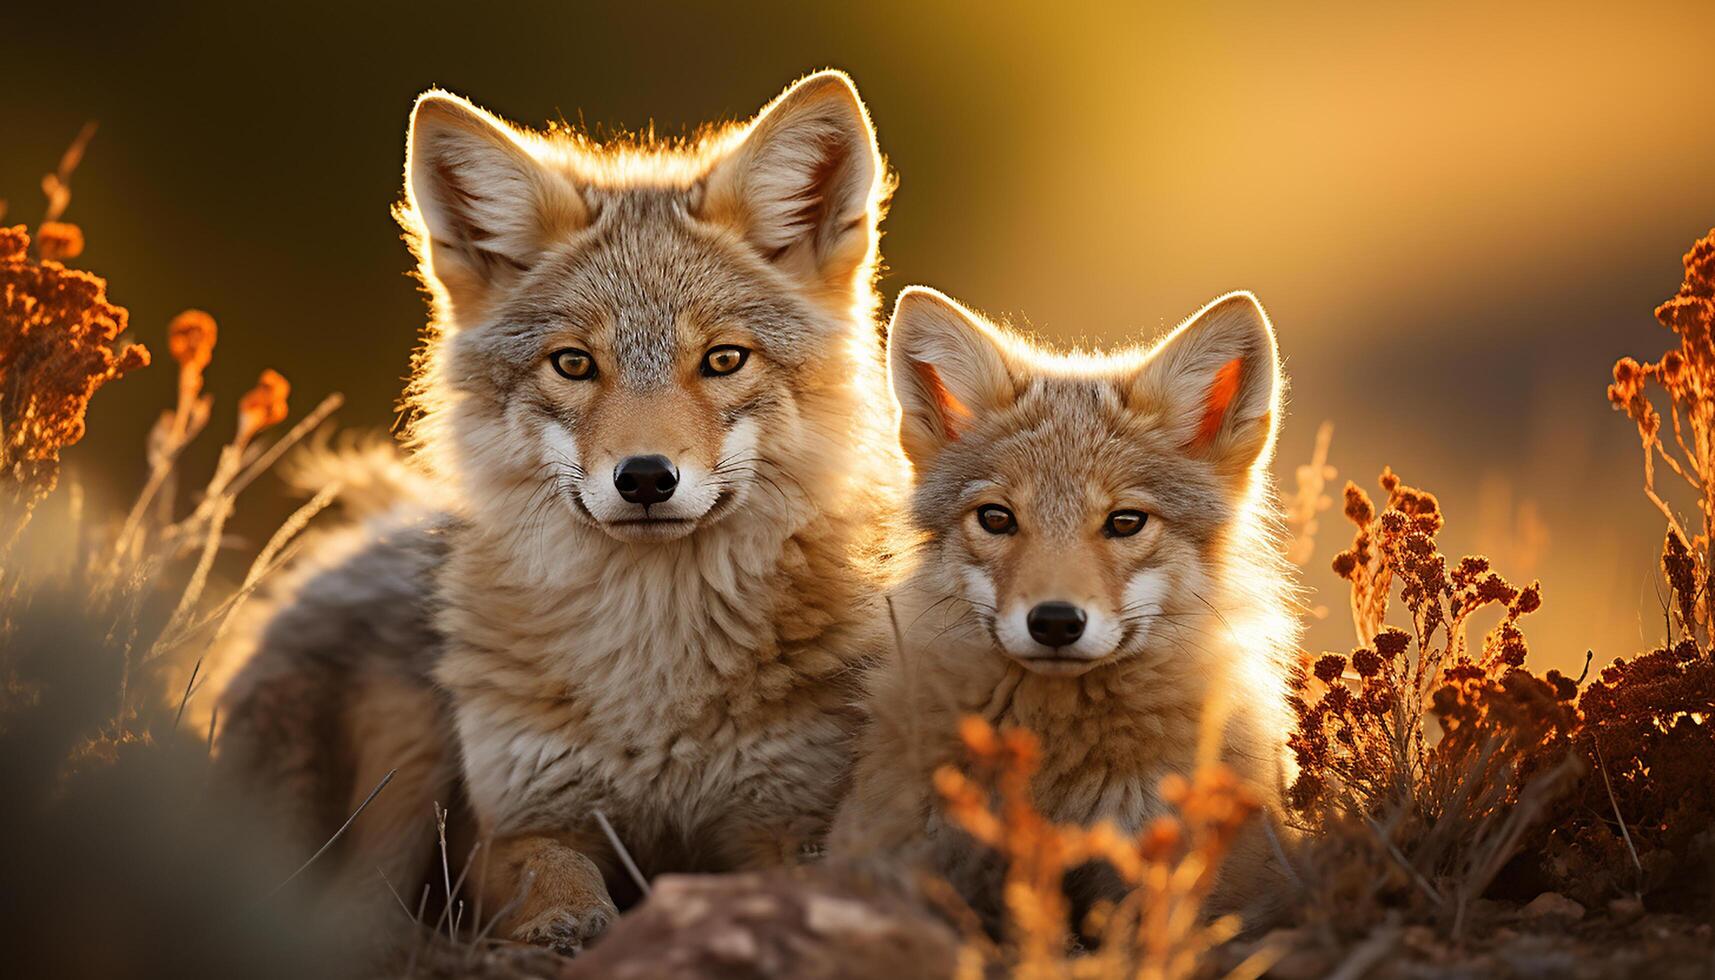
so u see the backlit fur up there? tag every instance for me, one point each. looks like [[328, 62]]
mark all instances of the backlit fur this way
[[688, 668], [693, 678], [1190, 620]]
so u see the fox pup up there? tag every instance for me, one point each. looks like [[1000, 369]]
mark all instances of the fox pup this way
[[653, 390], [1097, 563]]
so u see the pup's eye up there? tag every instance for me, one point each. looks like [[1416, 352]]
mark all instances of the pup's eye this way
[[996, 519], [572, 363], [724, 359], [1124, 523]]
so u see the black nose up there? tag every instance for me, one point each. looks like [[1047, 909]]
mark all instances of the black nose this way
[[645, 479], [1055, 624]]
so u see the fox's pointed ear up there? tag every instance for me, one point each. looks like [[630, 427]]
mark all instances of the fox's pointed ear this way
[[482, 205], [1215, 383], [805, 183], [947, 369]]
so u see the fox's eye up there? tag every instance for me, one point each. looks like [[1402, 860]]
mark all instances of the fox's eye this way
[[996, 519], [572, 363], [1124, 523], [724, 359]]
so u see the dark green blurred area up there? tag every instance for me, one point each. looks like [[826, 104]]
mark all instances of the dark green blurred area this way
[[1458, 217]]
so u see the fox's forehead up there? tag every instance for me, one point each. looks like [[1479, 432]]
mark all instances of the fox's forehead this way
[[1069, 449], [646, 280]]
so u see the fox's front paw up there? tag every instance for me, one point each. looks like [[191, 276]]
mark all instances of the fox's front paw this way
[[566, 929]]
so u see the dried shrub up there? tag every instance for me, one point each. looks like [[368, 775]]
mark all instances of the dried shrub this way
[[1159, 930], [1686, 375], [59, 343], [111, 822], [1422, 760], [1642, 819]]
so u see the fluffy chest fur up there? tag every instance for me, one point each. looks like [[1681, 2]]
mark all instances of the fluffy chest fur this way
[[1107, 737], [679, 689]]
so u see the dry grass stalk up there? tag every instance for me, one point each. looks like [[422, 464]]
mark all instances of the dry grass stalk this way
[[1308, 499]]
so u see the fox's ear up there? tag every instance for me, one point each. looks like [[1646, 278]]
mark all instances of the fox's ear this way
[[487, 206], [947, 369], [1215, 383], [804, 185]]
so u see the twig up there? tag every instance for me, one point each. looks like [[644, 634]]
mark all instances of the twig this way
[[260, 464], [165, 644], [446, 875], [624, 855], [213, 716], [205, 563], [517, 899], [186, 697], [57, 185], [417, 933], [341, 831], [265, 559], [1416, 875], [1624, 833], [457, 886], [402, 906]]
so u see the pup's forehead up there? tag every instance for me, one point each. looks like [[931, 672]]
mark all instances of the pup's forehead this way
[[1071, 447]]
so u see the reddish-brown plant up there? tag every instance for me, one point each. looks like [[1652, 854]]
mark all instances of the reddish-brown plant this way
[[1643, 818], [59, 343], [1436, 755]]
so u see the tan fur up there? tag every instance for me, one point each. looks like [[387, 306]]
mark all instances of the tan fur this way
[[1191, 615], [692, 681]]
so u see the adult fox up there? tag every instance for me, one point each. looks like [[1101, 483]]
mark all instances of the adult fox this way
[[653, 388]]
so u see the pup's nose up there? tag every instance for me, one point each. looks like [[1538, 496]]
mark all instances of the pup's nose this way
[[645, 479], [1055, 624]]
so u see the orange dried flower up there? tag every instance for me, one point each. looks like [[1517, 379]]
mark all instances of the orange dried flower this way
[[1170, 864], [978, 736], [191, 338], [57, 346], [263, 405], [58, 241]]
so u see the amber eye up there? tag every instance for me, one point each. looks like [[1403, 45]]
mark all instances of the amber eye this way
[[996, 519], [572, 363], [724, 359], [1124, 523]]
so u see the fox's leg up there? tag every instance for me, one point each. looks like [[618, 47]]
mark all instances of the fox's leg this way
[[396, 724], [557, 895]]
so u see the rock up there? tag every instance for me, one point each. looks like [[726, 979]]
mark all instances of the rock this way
[[820, 921], [1552, 906], [1627, 909]]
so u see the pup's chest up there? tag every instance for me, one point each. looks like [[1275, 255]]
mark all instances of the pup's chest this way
[[1104, 760]]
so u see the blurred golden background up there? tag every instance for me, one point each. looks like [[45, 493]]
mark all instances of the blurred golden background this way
[[1458, 215]]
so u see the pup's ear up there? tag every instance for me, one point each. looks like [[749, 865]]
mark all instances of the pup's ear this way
[[804, 185], [947, 370], [487, 206], [1215, 384]]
